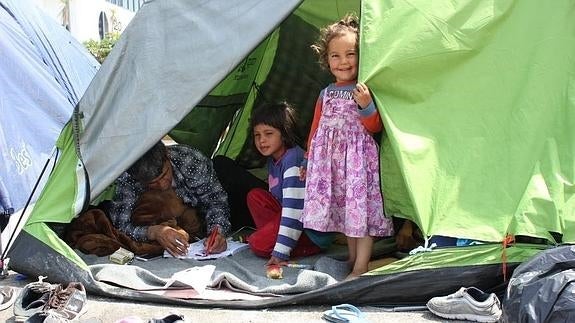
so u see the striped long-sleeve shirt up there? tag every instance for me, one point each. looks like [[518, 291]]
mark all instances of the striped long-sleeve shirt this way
[[288, 189]]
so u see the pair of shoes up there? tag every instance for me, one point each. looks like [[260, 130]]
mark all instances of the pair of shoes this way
[[467, 304], [32, 299], [44, 302], [344, 313], [6, 297]]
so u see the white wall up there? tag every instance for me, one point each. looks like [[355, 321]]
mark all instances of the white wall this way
[[84, 15], [51, 7]]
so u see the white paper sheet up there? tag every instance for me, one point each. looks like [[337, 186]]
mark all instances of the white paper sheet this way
[[196, 251]]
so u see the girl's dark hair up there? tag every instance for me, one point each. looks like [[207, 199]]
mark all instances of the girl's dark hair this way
[[150, 165], [349, 23], [281, 116]]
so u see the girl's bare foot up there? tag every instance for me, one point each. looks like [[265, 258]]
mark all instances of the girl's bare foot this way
[[355, 273]]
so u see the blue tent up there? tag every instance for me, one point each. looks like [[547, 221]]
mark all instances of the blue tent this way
[[43, 73]]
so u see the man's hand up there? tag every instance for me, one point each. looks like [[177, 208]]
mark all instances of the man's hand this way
[[218, 244], [174, 241]]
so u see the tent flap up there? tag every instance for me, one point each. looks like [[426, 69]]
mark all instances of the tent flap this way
[[480, 120]]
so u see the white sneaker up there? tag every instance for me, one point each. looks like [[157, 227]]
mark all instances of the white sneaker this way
[[467, 304]]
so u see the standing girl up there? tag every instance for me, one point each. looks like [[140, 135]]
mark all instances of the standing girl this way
[[342, 191], [277, 212]]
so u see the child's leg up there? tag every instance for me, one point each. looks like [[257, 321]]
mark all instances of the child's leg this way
[[263, 207], [262, 241], [266, 213], [363, 247], [352, 251]]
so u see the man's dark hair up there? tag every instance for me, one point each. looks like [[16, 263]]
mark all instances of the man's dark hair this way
[[281, 116], [150, 165]]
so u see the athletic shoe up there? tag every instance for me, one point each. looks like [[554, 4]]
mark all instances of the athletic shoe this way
[[68, 303], [32, 299], [467, 304]]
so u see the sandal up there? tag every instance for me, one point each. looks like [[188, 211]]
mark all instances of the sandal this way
[[344, 313], [172, 318]]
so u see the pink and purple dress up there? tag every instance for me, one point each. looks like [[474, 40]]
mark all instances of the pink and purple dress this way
[[342, 191]]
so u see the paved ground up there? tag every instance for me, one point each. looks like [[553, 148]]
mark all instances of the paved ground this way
[[108, 310]]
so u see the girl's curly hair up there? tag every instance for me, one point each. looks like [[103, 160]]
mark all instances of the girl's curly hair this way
[[349, 23]]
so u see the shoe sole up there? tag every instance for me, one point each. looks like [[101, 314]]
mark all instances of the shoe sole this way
[[468, 317]]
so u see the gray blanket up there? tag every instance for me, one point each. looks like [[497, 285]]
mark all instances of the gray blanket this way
[[242, 272]]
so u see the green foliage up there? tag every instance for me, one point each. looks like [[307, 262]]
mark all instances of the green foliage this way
[[101, 48]]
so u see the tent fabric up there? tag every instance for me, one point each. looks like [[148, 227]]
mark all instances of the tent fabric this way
[[160, 83], [289, 43], [45, 71], [172, 54], [479, 122]]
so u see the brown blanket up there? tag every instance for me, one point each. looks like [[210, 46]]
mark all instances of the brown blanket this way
[[165, 207], [93, 233]]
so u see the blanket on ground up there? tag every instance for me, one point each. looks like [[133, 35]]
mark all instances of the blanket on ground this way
[[243, 273]]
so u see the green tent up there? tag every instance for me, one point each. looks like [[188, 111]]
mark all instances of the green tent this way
[[476, 97]]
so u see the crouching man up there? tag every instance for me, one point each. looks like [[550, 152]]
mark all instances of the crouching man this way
[[171, 195]]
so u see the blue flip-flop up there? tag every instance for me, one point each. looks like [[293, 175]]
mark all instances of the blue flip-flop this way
[[344, 313]]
